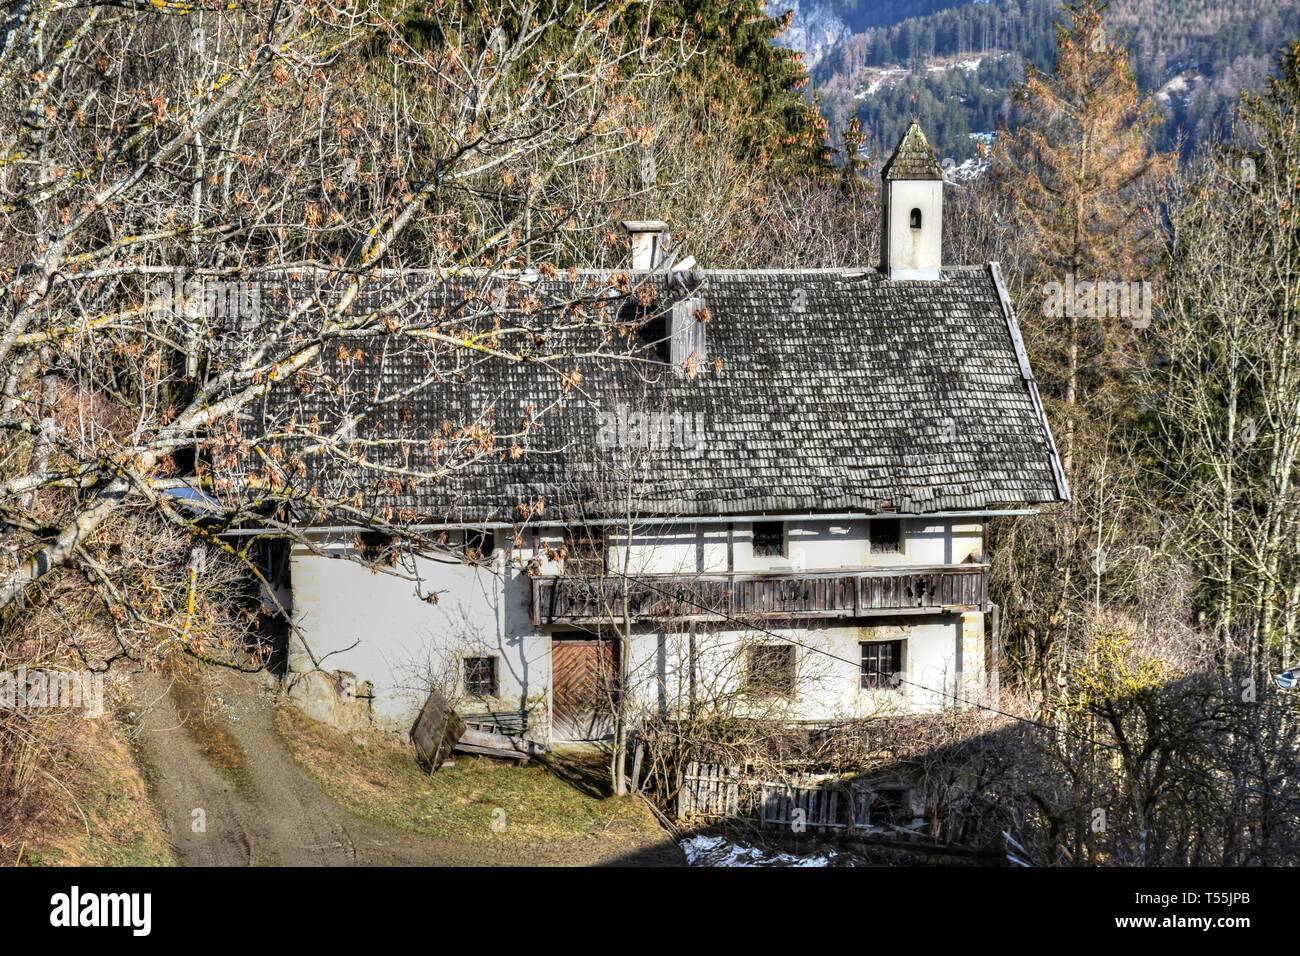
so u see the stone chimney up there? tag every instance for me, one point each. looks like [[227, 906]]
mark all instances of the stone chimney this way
[[911, 211], [650, 242]]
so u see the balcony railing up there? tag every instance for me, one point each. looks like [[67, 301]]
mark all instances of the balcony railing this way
[[588, 599]]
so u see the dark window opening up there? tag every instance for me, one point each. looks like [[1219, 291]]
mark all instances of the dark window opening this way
[[885, 535], [584, 553], [481, 676], [377, 548], [271, 558], [769, 539], [479, 544], [882, 664], [769, 670], [916, 219], [186, 460], [885, 807]]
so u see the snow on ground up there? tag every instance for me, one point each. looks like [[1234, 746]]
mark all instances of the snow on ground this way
[[881, 79], [972, 168], [1181, 87], [878, 78], [719, 851], [970, 66]]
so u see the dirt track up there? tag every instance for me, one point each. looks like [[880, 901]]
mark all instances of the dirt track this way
[[277, 816]]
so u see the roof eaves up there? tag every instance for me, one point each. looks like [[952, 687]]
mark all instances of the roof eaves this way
[[1022, 356]]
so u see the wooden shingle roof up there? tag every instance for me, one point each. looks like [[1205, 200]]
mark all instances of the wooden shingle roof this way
[[913, 159], [822, 391]]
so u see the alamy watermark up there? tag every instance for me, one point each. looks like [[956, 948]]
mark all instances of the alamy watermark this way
[[1099, 299], [133, 911], [25, 689], [199, 296], [625, 427]]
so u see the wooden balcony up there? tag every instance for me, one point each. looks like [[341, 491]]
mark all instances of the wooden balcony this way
[[797, 595]]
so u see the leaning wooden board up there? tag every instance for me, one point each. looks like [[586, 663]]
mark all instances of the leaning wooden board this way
[[436, 731]]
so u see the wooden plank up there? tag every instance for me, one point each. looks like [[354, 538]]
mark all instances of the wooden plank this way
[[819, 594], [497, 745], [435, 731]]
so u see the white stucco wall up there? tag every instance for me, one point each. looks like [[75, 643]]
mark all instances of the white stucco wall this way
[[939, 662], [377, 626], [914, 253]]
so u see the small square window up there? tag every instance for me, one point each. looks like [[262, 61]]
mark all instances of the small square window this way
[[885, 807], [479, 544], [882, 664], [769, 670], [885, 535], [480, 676], [769, 539], [377, 548], [584, 553]]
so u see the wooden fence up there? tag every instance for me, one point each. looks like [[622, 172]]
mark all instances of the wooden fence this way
[[712, 791]]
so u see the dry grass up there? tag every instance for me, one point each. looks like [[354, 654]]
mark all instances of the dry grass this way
[[381, 781], [100, 810], [206, 723]]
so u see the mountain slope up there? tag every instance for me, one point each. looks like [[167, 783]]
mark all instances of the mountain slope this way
[[953, 64]]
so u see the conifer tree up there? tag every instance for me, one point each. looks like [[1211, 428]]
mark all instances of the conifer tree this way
[[1074, 171], [1074, 180]]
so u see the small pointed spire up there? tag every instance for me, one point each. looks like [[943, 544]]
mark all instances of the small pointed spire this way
[[913, 159]]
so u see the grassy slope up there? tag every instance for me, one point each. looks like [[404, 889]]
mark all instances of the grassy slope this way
[[103, 815], [382, 782]]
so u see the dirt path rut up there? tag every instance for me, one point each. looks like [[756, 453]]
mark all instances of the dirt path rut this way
[[275, 815]]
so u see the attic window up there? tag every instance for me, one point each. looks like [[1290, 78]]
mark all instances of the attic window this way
[[884, 536], [376, 547], [585, 553], [769, 539], [479, 544], [916, 219]]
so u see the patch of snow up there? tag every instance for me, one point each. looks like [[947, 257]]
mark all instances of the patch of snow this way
[[719, 851], [973, 168], [1181, 86], [880, 79], [877, 78], [970, 66]]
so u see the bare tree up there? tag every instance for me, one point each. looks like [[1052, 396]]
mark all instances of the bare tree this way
[[225, 214]]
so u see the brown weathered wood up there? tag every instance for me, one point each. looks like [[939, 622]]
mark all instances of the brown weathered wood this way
[[712, 791], [497, 745], [712, 596], [582, 673], [435, 731]]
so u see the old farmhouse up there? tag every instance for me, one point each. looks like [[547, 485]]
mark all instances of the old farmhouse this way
[[783, 498]]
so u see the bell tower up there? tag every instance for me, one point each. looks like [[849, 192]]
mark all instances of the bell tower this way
[[911, 214]]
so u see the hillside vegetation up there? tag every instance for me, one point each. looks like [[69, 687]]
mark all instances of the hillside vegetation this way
[[898, 61]]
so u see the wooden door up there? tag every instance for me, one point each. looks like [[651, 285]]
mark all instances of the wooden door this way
[[582, 683]]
